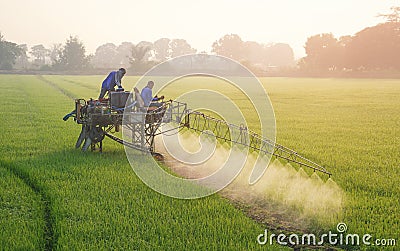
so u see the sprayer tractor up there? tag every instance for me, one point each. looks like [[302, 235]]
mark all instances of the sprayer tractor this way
[[100, 118]]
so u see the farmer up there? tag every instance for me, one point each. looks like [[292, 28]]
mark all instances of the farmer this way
[[113, 79], [147, 96]]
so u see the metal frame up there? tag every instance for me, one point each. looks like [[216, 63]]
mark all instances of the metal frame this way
[[145, 125], [241, 135]]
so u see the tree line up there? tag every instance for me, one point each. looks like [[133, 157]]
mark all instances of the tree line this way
[[373, 49], [72, 56]]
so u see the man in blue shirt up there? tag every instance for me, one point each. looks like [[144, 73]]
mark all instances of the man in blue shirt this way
[[113, 79], [147, 95]]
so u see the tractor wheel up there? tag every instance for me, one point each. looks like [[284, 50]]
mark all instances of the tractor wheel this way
[[96, 134]]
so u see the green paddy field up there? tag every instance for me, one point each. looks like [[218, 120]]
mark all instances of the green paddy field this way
[[54, 197]]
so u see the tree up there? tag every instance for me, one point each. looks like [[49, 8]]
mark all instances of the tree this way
[[371, 49], [138, 60], [280, 54], [254, 52], [8, 53], [180, 47], [393, 17], [149, 45], [344, 59], [22, 61], [376, 48], [161, 49], [106, 56], [124, 52], [230, 46], [72, 55], [40, 53], [55, 52], [323, 52]]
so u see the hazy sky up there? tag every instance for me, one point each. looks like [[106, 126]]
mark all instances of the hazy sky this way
[[199, 22]]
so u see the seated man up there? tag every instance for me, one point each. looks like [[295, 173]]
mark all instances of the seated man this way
[[113, 79], [147, 96]]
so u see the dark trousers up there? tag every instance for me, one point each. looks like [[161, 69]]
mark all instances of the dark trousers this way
[[104, 91]]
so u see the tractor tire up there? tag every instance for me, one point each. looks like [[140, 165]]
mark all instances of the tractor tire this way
[[96, 134]]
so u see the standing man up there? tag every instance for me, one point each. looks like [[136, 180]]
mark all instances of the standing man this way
[[113, 79], [147, 95]]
